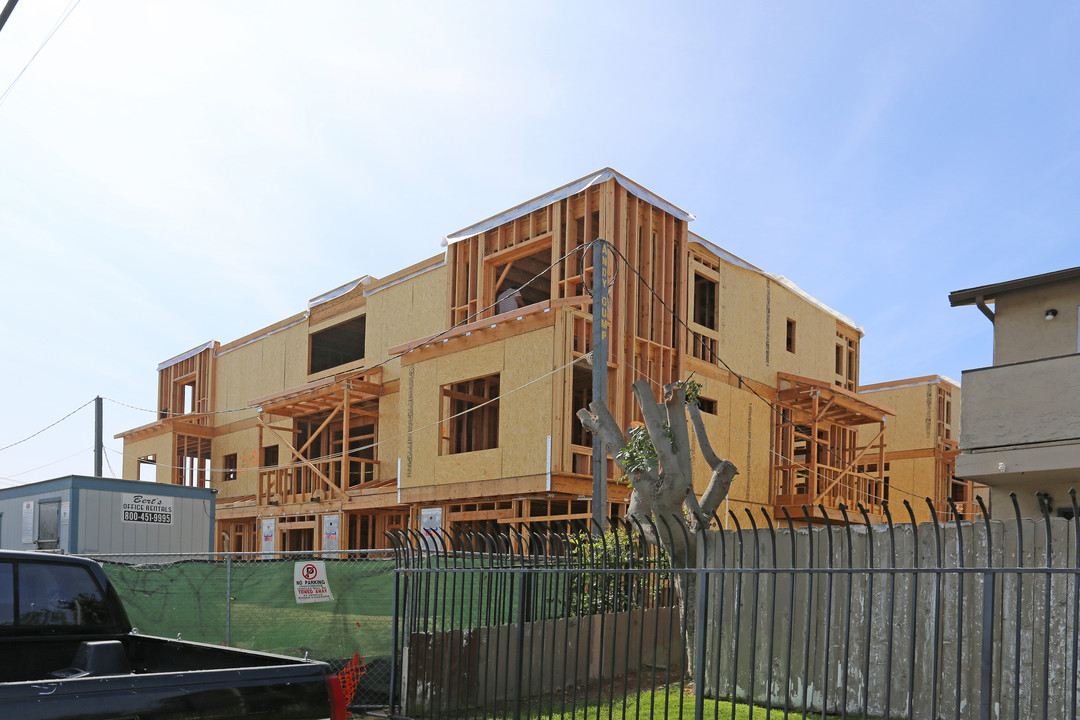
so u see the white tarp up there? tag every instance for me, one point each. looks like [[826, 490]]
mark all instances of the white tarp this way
[[564, 192]]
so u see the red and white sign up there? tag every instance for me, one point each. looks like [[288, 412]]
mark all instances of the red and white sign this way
[[309, 582]]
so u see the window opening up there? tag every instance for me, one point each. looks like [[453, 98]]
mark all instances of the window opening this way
[[790, 335], [148, 468], [706, 405], [515, 274], [229, 468], [337, 345], [470, 416], [706, 291], [270, 456], [191, 463]]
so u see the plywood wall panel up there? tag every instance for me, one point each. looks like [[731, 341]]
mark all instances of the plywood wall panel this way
[[525, 408]]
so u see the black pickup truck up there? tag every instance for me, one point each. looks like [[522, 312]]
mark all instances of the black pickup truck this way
[[67, 650]]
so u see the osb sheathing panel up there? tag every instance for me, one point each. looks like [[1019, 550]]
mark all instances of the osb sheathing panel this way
[[739, 432], [419, 424], [351, 302], [245, 443], [753, 329], [471, 363], [915, 425], [815, 336], [479, 465], [267, 365], [525, 413], [411, 309], [742, 323], [911, 480], [391, 427], [161, 446]]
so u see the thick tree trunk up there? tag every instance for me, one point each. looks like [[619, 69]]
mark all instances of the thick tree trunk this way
[[663, 504]]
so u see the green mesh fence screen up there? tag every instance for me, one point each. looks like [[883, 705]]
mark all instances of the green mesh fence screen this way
[[247, 601]]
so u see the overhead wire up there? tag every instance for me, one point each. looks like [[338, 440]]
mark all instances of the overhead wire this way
[[581, 248], [349, 453], [776, 454], [851, 467], [47, 427], [56, 26], [11, 478], [361, 371]]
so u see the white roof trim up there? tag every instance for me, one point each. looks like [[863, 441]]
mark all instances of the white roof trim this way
[[338, 291], [184, 356], [931, 380], [410, 276], [561, 194], [812, 300], [739, 262], [264, 335], [723, 254]]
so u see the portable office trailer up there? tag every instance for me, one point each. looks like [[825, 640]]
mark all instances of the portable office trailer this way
[[87, 515]]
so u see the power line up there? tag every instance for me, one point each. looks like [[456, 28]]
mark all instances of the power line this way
[[360, 371], [56, 26], [19, 442], [850, 467], [11, 478], [780, 456], [376, 444]]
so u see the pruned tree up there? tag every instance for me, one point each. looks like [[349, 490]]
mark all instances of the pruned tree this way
[[660, 471]]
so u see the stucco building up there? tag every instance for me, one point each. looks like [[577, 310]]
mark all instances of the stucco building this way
[[1021, 429]]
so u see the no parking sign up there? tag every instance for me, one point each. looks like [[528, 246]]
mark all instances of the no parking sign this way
[[309, 582]]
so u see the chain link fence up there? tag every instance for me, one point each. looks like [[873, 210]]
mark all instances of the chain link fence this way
[[248, 600]]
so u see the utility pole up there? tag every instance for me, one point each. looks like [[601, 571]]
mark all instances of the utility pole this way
[[6, 12], [99, 445], [601, 323]]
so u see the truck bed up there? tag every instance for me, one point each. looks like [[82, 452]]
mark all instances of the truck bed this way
[[67, 650], [167, 679]]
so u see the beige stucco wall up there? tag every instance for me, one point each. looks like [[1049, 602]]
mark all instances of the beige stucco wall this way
[[1021, 330], [1029, 402]]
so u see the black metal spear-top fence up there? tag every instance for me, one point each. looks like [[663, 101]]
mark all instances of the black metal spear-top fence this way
[[940, 620]]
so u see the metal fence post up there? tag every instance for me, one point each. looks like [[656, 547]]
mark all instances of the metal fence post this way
[[228, 600], [519, 669], [699, 655], [987, 660]]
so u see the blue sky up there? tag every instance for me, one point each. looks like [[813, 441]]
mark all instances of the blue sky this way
[[176, 172]]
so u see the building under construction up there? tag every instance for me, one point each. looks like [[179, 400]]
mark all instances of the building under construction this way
[[434, 397]]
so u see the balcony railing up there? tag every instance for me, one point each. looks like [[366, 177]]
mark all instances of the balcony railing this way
[[1025, 403], [302, 483]]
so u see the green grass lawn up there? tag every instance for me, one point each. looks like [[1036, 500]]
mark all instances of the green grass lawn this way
[[671, 702]]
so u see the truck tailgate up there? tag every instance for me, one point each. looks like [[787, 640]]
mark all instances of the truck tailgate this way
[[290, 692]]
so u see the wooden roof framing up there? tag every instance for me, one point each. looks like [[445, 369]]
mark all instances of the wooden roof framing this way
[[834, 404], [321, 396], [818, 459]]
